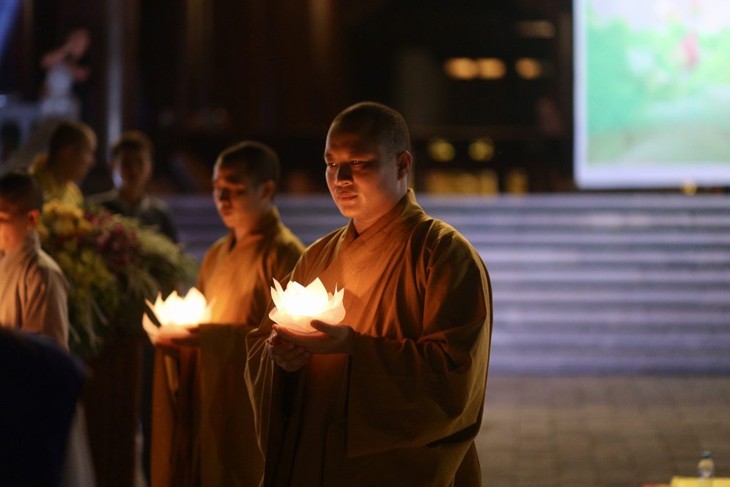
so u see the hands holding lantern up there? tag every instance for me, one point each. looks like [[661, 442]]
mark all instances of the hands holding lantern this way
[[174, 322], [306, 322], [291, 351]]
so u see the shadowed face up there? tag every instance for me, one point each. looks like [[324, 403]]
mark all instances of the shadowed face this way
[[132, 169], [14, 225], [74, 161], [365, 179], [239, 201]]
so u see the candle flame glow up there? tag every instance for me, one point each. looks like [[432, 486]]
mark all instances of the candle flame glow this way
[[297, 306], [177, 313]]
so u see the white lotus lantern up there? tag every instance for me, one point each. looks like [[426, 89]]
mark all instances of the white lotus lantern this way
[[297, 306], [175, 314]]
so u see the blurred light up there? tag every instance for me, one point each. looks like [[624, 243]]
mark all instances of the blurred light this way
[[689, 188], [466, 183], [528, 68], [481, 149], [438, 182], [516, 181], [535, 28], [488, 182], [483, 182], [491, 68], [461, 68], [441, 150]]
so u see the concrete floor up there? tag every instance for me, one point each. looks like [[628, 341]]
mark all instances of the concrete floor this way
[[601, 431]]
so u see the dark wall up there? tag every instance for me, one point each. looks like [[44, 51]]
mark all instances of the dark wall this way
[[200, 75]]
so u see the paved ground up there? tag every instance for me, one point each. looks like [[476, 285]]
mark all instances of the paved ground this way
[[602, 431]]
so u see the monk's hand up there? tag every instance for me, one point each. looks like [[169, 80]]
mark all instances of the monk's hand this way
[[171, 345], [327, 339], [285, 354]]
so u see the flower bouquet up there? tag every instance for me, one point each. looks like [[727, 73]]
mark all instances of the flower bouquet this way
[[112, 264]]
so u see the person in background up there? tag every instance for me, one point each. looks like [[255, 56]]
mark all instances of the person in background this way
[[203, 430], [34, 295], [394, 396], [131, 166], [33, 288], [70, 156], [65, 87]]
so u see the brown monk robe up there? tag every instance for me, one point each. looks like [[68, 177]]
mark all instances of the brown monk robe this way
[[405, 406], [394, 394], [202, 421]]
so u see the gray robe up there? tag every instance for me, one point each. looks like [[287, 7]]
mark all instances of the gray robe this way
[[33, 292]]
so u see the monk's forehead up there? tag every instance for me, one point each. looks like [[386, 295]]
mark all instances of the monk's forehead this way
[[7, 206], [232, 172], [355, 142], [129, 156], [133, 152]]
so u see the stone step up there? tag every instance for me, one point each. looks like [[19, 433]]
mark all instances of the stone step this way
[[610, 239], [481, 222], [592, 221], [611, 340], [576, 202], [671, 298], [560, 256], [554, 202], [593, 351], [592, 362], [655, 319], [581, 276]]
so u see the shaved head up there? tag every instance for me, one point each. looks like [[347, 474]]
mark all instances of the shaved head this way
[[376, 123]]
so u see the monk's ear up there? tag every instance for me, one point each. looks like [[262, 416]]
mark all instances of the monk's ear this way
[[404, 161], [268, 189], [33, 217]]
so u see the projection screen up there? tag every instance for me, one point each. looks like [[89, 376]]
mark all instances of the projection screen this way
[[651, 93]]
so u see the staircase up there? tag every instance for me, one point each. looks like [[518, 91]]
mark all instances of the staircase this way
[[583, 283]]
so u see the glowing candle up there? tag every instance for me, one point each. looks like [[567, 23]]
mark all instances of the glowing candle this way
[[297, 306], [176, 313]]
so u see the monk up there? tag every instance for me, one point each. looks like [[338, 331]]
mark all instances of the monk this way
[[394, 394], [203, 431]]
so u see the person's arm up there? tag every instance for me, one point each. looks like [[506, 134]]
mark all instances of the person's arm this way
[[272, 372], [415, 391], [259, 376], [45, 304], [79, 72], [51, 58]]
